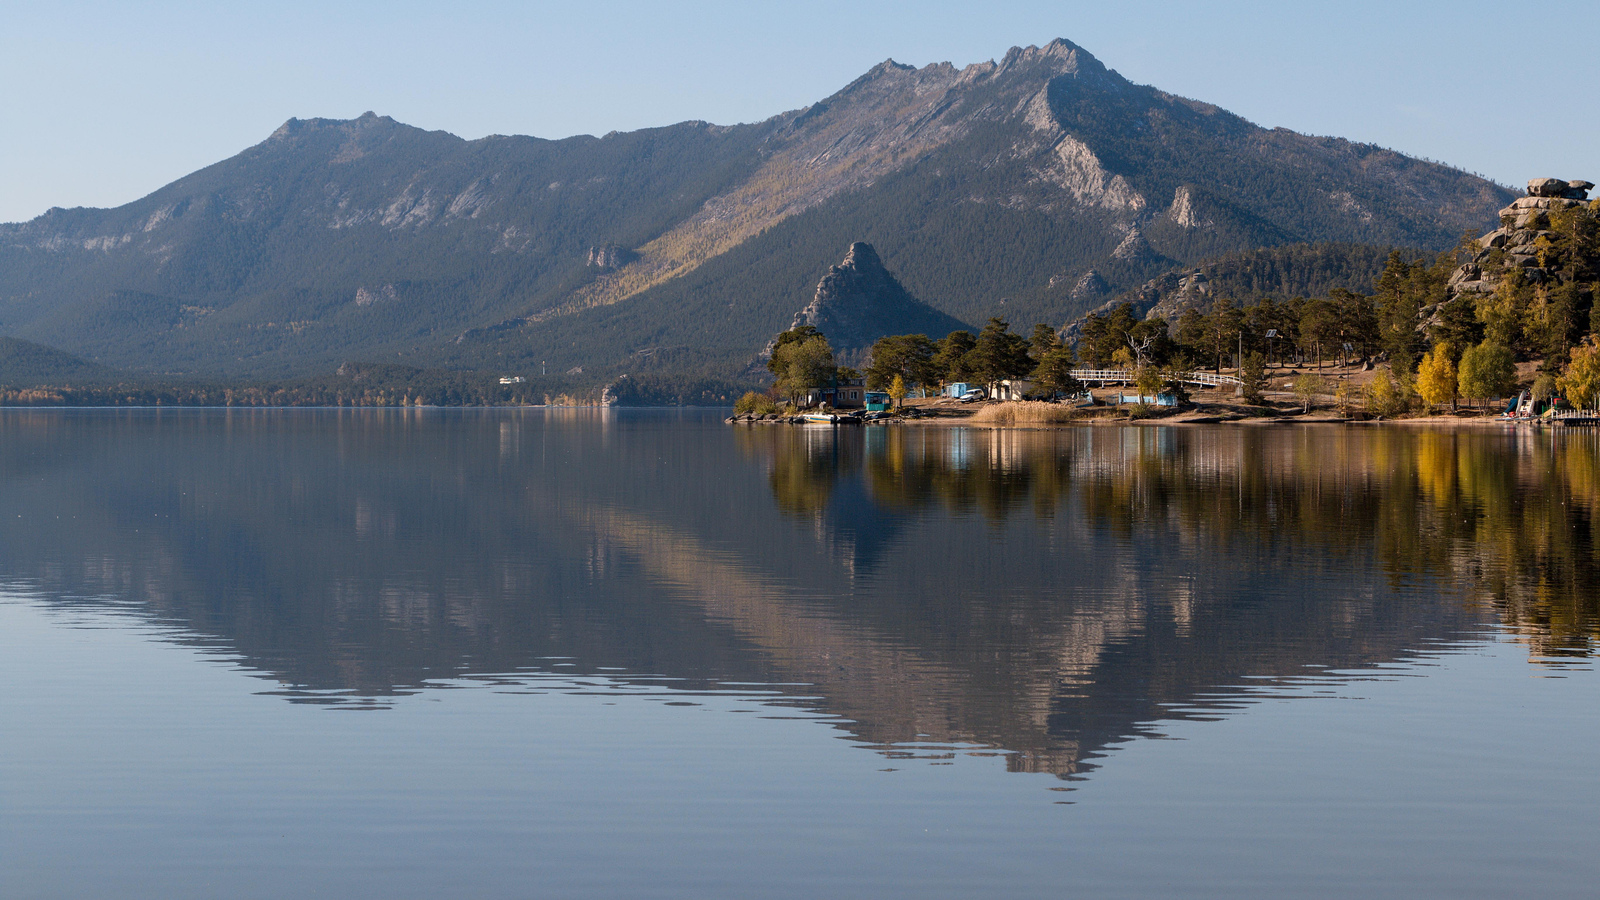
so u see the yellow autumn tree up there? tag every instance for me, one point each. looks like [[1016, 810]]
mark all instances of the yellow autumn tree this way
[[897, 390], [1437, 377], [1580, 380]]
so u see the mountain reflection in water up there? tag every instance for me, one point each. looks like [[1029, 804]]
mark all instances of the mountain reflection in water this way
[[1039, 594]]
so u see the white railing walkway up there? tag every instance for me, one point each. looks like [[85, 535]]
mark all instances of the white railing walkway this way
[[1125, 376]]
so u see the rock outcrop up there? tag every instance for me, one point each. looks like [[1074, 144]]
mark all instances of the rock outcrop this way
[[1089, 286], [859, 301], [1523, 242], [609, 256]]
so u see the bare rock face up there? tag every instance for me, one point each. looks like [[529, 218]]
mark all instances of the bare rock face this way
[[609, 256], [1133, 247], [859, 301], [366, 296], [1090, 285]]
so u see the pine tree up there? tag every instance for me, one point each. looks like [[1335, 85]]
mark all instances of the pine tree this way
[[1054, 373], [1042, 341], [998, 354]]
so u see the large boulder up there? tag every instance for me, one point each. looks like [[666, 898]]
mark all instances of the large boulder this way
[[1546, 187], [1577, 189]]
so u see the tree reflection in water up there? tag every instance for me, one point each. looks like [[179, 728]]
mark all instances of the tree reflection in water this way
[[1507, 515]]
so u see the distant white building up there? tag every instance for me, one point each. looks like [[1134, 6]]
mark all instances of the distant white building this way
[[1012, 388], [512, 379]]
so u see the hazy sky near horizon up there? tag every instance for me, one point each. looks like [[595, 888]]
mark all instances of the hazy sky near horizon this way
[[105, 102]]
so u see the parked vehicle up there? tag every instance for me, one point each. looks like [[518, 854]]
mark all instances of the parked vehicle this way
[[972, 396]]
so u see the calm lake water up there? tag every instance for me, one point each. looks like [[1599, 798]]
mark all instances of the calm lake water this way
[[645, 654]]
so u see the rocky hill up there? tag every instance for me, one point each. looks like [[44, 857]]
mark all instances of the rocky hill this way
[[1525, 243], [1533, 283], [1033, 187], [858, 301]]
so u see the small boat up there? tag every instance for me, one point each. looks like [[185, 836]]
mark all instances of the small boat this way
[[820, 419]]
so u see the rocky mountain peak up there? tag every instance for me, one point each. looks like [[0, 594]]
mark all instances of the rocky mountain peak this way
[[859, 301], [1060, 54], [1056, 59], [367, 121], [862, 259]]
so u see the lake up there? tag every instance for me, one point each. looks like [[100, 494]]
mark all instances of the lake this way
[[586, 653]]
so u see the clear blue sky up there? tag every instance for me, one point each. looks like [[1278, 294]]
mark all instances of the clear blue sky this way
[[104, 102]]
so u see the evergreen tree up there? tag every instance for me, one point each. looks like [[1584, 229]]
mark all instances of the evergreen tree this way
[[909, 357], [1191, 333], [950, 356], [1042, 341], [1319, 328], [1399, 306], [1104, 335], [1054, 372], [1357, 321], [1253, 376], [998, 354], [1457, 325], [1504, 311], [1224, 329]]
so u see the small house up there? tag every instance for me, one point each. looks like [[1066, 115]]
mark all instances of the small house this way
[[1012, 389], [849, 393]]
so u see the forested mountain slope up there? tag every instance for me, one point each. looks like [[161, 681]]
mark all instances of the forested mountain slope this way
[[1035, 187], [24, 362]]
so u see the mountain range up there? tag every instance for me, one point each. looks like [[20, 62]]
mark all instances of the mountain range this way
[[1034, 188]]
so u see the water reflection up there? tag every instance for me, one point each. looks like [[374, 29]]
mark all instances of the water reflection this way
[[1043, 595], [1505, 515]]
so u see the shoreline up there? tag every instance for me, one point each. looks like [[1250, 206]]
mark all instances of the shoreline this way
[[1037, 416]]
